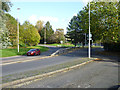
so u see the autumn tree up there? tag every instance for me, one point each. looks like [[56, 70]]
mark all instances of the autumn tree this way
[[39, 26], [29, 34], [59, 35]]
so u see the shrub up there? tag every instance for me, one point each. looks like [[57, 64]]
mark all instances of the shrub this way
[[111, 46]]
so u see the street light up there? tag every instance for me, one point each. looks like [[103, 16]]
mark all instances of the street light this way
[[18, 29], [89, 31]]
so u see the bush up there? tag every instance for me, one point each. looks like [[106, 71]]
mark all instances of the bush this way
[[111, 46], [23, 44]]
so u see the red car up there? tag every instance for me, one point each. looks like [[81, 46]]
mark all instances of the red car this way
[[33, 52]]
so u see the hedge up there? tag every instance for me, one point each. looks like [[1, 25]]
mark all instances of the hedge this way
[[111, 46]]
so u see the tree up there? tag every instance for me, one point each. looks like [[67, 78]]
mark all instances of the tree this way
[[4, 33], [11, 25], [48, 32], [29, 34], [39, 25], [74, 30], [59, 35], [103, 19], [6, 5]]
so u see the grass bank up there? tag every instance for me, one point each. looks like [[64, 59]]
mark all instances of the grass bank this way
[[62, 45], [14, 52]]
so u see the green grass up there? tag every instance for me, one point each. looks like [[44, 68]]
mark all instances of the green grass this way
[[13, 51], [71, 45], [97, 46], [62, 45]]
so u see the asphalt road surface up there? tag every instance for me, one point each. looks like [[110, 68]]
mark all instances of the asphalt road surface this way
[[51, 50], [43, 63], [98, 74], [38, 64]]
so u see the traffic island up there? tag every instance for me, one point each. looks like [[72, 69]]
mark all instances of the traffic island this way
[[64, 51]]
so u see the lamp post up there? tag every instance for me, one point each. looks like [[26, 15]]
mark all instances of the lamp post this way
[[89, 31], [18, 29]]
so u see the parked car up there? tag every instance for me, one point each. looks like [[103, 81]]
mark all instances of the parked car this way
[[33, 52]]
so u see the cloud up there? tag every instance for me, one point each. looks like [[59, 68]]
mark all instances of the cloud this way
[[54, 21], [75, 14], [33, 19], [86, 2]]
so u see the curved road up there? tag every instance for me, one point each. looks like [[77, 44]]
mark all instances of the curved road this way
[[39, 64], [99, 74]]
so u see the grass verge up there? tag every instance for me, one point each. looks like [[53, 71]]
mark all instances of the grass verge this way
[[13, 51], [62, 45]]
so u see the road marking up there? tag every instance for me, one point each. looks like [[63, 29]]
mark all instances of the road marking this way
[[27, 80]]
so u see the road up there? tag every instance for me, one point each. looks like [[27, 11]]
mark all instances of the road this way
[[99, 74], [38, 64], [51, 50], [96, 74]]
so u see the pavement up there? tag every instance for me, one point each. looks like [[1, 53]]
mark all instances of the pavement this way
[[99, 74], [102, 74], [95, 72]]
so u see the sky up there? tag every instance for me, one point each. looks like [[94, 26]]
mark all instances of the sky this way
[[58, 13]]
